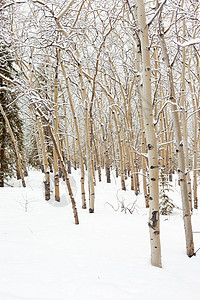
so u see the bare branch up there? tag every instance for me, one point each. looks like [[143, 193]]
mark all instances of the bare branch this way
[[157, 12]]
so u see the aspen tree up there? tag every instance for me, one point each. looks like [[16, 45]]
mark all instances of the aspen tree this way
[[156, 91], [134, 177], [87, 140], [197, 138], [66, 176], [55, 157], [107, 151], [128, 127], [45, 160], [114, 154], [195, 102], [184, 116], [74, 146], [96, 150], [115, 119], [92, 141], [154, 216], [91, 102], [86, 103], [77, 134], [163, 153], [127, 160], [123, 186], [195, 164], [144, 166], [105, 142], [105, 161], [120, 139], [170, 163], [59, 154], [39, 148], [39, 129], [89, 161], [107, 157], [179, 151], [137, 51], [66, 140], [157, 107]]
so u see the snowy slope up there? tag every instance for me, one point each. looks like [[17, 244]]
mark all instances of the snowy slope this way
[[44, 256]]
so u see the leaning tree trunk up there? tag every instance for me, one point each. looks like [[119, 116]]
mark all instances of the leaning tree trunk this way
[[77, 135], [180, 153], [56, 147], [154, 220], [55, 157]]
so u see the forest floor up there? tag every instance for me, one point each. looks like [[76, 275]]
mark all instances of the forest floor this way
[[45, 256]]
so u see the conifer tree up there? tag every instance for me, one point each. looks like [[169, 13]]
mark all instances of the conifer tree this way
[[11, 109]]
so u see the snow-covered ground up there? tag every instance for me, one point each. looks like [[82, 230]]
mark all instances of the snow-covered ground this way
[[45, 256]]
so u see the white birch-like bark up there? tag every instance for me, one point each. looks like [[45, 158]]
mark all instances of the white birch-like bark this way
[[45, 160], [180, 154], [89, 161], [55, 157], [77, 134], [154, 217], [88, 149], [73, 202], [184, 116], [195, 102]]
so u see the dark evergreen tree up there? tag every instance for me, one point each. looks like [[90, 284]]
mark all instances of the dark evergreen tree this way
[[166, 203], [8, 101], [32, 155]]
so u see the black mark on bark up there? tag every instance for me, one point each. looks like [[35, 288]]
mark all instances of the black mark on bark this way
[[154, 220]]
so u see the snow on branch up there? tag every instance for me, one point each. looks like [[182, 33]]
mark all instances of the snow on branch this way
[[7, 79], [190, 42], [11, 3], [157, 12], [6, 89], [65, 10]]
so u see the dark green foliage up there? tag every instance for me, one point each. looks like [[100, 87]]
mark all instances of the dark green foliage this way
[[32, 155], [166, 204], [11, 109]]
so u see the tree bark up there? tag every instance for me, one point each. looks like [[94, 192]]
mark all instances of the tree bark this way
[[55, 157], [78, 136], [45, 160], [154, 215], [180, 153]]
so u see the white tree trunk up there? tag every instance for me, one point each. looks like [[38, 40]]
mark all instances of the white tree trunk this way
[[185, 125], [154, 216], [180, 152], [77, 134]]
